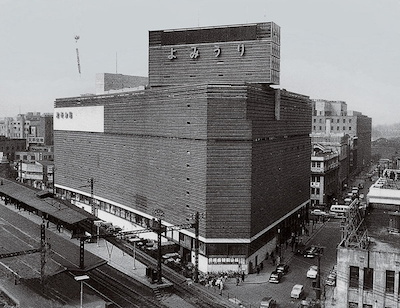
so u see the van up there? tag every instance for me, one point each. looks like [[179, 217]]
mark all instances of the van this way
[[338, 210]]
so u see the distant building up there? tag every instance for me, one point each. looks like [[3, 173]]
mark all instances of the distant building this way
[[38, 174], [385, 192], [9, 146], [34, 127], [324, 176], [333, 118], [337, 143]]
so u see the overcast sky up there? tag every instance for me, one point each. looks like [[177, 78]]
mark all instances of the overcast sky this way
[[337, 50]]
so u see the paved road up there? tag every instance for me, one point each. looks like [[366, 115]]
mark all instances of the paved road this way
[[252, 291]]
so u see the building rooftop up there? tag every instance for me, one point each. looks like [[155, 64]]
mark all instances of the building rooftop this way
[[382, 227]]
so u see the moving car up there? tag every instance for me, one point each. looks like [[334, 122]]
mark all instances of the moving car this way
[[282, 268], [297, 291], [312, 252], [275, 277], [268, 302], [312, 272]]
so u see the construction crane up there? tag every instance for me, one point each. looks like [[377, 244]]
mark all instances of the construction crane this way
[[77, 54]]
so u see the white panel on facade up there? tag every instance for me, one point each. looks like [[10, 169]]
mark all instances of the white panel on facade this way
[[84, 119]]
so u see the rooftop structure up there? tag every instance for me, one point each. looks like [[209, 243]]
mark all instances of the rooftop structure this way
[[385, 192]]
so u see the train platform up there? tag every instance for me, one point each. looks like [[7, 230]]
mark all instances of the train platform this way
[[133, 268]]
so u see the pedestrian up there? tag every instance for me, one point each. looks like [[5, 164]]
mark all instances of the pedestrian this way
[[221, 286], [262, 265], [258, 270], [242, 276], [237, 280]]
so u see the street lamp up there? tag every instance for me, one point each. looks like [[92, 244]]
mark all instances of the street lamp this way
[[81, 279]]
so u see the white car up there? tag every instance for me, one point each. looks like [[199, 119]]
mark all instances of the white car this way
[[312, 272], [318, 212], [297, 291]]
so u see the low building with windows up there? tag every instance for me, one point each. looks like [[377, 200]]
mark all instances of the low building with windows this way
[[324, 176], [368, 257]]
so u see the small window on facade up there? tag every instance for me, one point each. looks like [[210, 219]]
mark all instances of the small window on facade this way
[[70, 115], [349, 120], [390, 282], [320, 120], [314, 128], [344, 127], [337, 128], [354, 277], [315, 120], [320, 128], [317, 191], [337, 120], [344, 120], [368, 278], [349, 127]]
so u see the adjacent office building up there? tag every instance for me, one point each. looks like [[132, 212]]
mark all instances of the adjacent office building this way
[[209, 135]]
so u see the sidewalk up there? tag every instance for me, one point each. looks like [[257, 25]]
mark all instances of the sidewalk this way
[[287, 254]]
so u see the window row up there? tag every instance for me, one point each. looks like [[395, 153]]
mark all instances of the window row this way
[[333, 121], [332, 128], [368, 281]]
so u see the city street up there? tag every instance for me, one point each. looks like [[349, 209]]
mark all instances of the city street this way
[[256, 286]]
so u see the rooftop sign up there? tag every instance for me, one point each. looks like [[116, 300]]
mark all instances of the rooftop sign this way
[[228, 55]]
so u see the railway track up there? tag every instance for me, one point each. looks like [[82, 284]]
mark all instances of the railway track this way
[[120, 290], [190, 293]]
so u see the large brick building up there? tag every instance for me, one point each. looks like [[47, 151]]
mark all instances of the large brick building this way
[[236, 151]]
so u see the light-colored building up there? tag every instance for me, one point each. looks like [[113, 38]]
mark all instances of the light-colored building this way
[[368, 258], [34, 127], [38, 174], [324, 176], [333, 118], [368, 263]]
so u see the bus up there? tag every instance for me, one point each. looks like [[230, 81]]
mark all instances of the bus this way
[[339, 210]]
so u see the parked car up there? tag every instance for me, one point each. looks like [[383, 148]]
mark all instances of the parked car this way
[[297, 291], [268, 302], [312, 272], [275, 277], [282, 268], [318, 212], [330, 280]]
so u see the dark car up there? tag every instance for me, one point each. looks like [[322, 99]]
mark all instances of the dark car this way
[[275, 277], [311, 252], [282, 268]]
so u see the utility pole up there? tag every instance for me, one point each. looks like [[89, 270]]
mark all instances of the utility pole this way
[[91, 197], [158, 228], [42, 253], [196, 246], [318, 280]]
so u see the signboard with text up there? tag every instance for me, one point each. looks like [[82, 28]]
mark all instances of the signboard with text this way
[[230, 54]]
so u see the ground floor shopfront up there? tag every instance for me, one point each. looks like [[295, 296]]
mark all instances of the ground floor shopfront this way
[[215, 255]]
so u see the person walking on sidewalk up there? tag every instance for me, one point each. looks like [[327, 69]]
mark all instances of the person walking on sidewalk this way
[[242, 276], [237, 280]]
